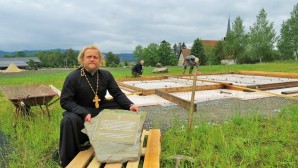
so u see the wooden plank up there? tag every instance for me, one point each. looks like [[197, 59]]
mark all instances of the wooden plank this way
[[256, 90], [133, 164], [143, 78], [145, 133], [82, 159], [144, 92], [94, 163], [276, 85], [184, 103], [127, 89], [137, 89], [153, 150], [55, 90], [274, 74], [113, 165], [189, 88], [213, 81], [290, 92], [148, 92]]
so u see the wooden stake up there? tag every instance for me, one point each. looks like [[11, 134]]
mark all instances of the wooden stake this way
[[191, 109]]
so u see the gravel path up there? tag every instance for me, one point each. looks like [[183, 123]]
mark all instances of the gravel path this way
[[163, 117]]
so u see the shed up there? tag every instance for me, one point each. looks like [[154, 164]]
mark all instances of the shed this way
[[19, 64]]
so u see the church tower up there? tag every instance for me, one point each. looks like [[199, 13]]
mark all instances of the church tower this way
[[228, 28]]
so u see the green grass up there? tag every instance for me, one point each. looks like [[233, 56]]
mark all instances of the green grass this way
[[243, 142], [240, 142]]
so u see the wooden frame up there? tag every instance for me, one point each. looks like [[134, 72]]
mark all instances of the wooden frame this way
[[150, 154]]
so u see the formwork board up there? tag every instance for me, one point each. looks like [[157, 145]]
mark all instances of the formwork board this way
[[209, 87], [246, 80], [164, 83]]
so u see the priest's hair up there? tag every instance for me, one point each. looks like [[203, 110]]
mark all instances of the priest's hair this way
[[81, 54]]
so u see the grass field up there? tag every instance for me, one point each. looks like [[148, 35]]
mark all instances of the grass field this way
[[240, 142]]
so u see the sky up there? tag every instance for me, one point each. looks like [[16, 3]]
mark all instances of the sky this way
[[120, 25]]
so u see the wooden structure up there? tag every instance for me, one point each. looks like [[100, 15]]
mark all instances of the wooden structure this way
[[25, 96], [206, 84], [150, 154]]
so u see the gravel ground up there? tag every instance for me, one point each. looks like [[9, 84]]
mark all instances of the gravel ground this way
[[163, 117]]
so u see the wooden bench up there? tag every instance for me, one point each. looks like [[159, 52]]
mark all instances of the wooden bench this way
[[150, 153]]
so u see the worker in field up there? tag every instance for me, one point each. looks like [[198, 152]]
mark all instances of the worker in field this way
[[191, 61], [137, 70], [82, 98]]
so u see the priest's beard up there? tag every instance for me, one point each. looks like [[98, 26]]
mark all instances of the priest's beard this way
[[91, 70]]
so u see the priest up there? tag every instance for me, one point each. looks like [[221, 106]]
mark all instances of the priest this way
[[83, 97]]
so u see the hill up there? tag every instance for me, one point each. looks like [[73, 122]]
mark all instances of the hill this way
[[126, 57], [123, 56], [27, 52]]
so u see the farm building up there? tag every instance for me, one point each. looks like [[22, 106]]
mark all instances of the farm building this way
[[20, 62], [185, 51]]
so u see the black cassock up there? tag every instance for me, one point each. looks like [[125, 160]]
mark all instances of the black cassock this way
[[77, 101]]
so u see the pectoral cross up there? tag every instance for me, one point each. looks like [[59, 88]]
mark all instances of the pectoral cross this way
[[96, 100]]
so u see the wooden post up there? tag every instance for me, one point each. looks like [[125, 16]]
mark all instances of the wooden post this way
[[191, 109]]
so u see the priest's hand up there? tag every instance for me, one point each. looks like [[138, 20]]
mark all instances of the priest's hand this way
[[88, 118], [134, 108]]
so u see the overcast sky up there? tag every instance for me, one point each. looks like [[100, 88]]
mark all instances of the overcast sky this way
[[121, 25]]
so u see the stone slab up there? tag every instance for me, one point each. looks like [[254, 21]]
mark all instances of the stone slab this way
[[116, 127], [114, 146]]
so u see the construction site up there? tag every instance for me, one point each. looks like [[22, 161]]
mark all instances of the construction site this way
[[169, 100], [242, 85], [216, 97]]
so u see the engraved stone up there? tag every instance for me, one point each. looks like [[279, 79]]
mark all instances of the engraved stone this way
[[116, 135]]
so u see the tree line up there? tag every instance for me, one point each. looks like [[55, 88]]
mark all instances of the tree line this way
[[260, 44]]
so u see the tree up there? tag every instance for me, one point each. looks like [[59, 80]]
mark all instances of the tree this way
[[70, 58], [138, 52], [180, 48], [50, 58], [33, 65], [236, 40], [176, 50], [150, 54], [288, 41], [262, 38], [208, 50], [217, 53], [56, 58], [183, 45], [166, 54], [112, 60], [229, 46], [125, 63], [20, 54], [198, 51]]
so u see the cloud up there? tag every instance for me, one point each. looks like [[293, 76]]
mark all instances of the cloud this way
[[119, 26]]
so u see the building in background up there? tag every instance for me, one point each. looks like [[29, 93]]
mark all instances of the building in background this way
[[20, 62]]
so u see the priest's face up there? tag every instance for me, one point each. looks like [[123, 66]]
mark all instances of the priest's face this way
[[91, 60]]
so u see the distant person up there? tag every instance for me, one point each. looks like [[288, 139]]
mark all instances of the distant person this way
[[83, 97], [137, 70], [190, 61]]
